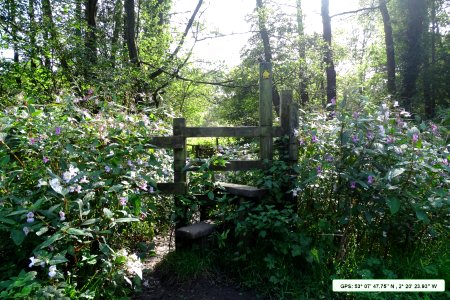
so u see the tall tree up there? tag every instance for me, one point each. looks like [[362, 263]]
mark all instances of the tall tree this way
[[130, 31], [412, 57], [262, 19], [389, 44], [303, 79], [328, 55], [91, 36], [118, 9]]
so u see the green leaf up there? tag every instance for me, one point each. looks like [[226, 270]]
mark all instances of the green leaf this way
[[211, 195], [4, 160], [76, 231], [394, 205], [7, 221], [42, 231], [50, 240], [394, 173], [109, 214], [58, 259], [17, 236], [422, 216], [263, 233], [123, 220], [89, 222]]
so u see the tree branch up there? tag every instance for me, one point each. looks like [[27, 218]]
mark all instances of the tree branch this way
[[355, 11], [159, 71]]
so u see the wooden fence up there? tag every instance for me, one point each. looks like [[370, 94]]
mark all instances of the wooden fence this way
[[265, 132]]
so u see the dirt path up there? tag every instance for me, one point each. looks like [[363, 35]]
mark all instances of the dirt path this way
[[155, 287]]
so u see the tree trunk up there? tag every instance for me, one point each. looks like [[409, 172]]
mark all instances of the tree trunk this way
[[12, 10], [412, 58], [428, 80], [389, 44], [118, 10], [303, 79], [32, 36], [130, 31], [267, 50], [328, 55], [91, 37]]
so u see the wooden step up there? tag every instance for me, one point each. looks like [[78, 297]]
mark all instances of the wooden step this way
[[194, 235], [195, 231], [243, 190]]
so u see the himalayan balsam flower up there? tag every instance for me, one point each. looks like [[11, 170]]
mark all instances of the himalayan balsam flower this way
[[123, 201], [319, 170], [434, 129], [356, 115], [151, 190], [107, 169], [369, 135], [355, 138], [314, 139], [32, 262], [329, 158], [26, 230], [445, 162], [353, 185], [333, 101], [370, 179], [58, 130], [32, 141], [301, 142], [295, 132], [52, 271], [389, 139], [45, 159], [396, 104], [30, 217], [415, 137], [62, 216], [143, 185], [84, 180]]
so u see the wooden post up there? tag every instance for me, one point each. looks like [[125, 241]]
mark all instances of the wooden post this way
[[286, 101], [293, 140], [265, 109], [179, 162], [179, 155]]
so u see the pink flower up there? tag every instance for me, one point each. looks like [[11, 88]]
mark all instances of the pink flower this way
[[107, 169], [123, 201], [62, 216], [434, 128], [45, 159], [389, 139], [30, 217], [333, 101], [370, 179], [415, 137], [355, 138], [353, 185], [356, 115], [319, 170], [32, 141], [58, 130], [314, 139]]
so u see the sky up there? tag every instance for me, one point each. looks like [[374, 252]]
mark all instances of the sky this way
[[228, 16]]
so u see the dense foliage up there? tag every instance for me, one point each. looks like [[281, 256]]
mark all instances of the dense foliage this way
[[77, 192]]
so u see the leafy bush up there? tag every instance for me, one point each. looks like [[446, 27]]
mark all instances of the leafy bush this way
[[72, 182], [370, 200]]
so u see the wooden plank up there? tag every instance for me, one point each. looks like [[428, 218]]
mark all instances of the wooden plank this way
[[194, 231], [243, 190], [246, 131], [286, 100], [175, 142], [265, 108], [174, 188]]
